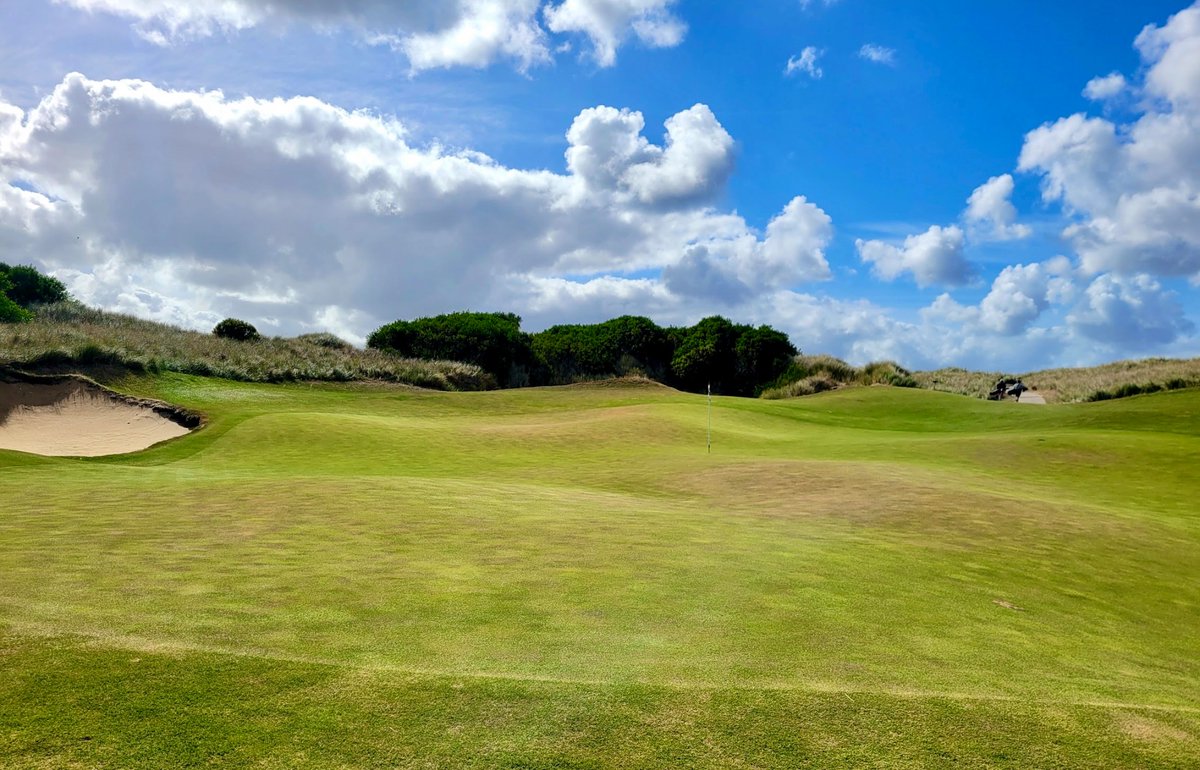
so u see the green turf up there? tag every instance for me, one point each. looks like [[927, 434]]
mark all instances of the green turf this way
[[364, 576]]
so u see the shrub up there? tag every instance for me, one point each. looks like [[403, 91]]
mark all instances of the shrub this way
[[762, 355], [621, 346], [492, 341], [28, 287], [235, 329], [10, 311], [706, 356]]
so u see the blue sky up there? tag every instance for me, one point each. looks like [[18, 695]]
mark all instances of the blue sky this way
[[307, 168]]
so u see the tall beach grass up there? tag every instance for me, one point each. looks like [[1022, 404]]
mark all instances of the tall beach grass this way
[[1093, 383], [68, 335]]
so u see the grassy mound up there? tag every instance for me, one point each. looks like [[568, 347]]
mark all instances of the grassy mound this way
[[1095, 383], [348, 575], [70, 336], [816, 374]]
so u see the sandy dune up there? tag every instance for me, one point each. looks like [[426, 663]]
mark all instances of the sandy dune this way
[[76, 418]]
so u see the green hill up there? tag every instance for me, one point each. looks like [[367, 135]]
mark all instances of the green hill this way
[[345, 575]]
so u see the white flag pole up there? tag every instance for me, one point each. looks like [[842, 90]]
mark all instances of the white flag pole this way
[[710, 418]]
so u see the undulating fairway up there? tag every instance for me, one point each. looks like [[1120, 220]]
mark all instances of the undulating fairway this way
[[368, 576]]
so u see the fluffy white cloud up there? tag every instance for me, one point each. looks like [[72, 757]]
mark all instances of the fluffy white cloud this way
[[1106, 87], [991, 213], [732, 270], [430, 33], [1129, 312], [1173, 53], [189, 206], [608, 22], [1133, 191], [484, 31], [878, 54], [609, 155], [1021, 293], [933, 257], [805, 63]]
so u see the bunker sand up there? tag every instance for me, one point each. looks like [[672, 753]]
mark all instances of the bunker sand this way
[[75, 418]]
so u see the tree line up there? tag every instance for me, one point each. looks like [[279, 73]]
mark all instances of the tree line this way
[[734, 359]]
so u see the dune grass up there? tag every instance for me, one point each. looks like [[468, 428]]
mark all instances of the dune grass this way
[[345, 575], [1090, 383], [811, 374], [70, 336]]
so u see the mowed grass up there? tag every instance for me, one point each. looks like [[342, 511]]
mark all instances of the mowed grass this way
[[367, 576]]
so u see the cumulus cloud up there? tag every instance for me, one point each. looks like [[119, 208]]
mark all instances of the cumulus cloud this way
[[609, 154], [1132, 191], [607, 22], [1102, 88], [732, 270], [991, 214], [805, 63], [1021, 293], [430, 33], [933, 257], [189, 206], [1129, 312], [878, 54]]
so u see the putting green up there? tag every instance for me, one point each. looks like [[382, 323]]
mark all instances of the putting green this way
[[344, 576]]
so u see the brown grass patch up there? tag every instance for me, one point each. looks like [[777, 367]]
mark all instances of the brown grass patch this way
[[880, 495], [1146, 729]]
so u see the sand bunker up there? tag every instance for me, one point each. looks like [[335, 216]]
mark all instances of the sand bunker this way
[[77, 418]]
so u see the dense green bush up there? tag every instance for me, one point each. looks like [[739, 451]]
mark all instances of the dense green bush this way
[[10, 311], [235, 329], [734, 359], [706, 356], [1135, 389], [737, 360], [492, 341], [629, 345], [27, 287]]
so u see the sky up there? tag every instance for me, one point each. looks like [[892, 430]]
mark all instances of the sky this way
[[1004, 186]]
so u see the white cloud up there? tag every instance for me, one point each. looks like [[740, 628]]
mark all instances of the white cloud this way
[[430, 33], [1129, 313], [608, 22], [1021, 293], [609, 154], [1173, 53], [990, 211], [1103, 88], [933, 257], [735, 269], [189, 206], [806, 63], [878, 54], [485, 31], [1133, 190]]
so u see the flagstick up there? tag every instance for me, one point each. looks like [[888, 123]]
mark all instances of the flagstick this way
[[710, 418]]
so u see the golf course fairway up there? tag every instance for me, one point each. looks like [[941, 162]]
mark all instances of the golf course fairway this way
[[352, 576]]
